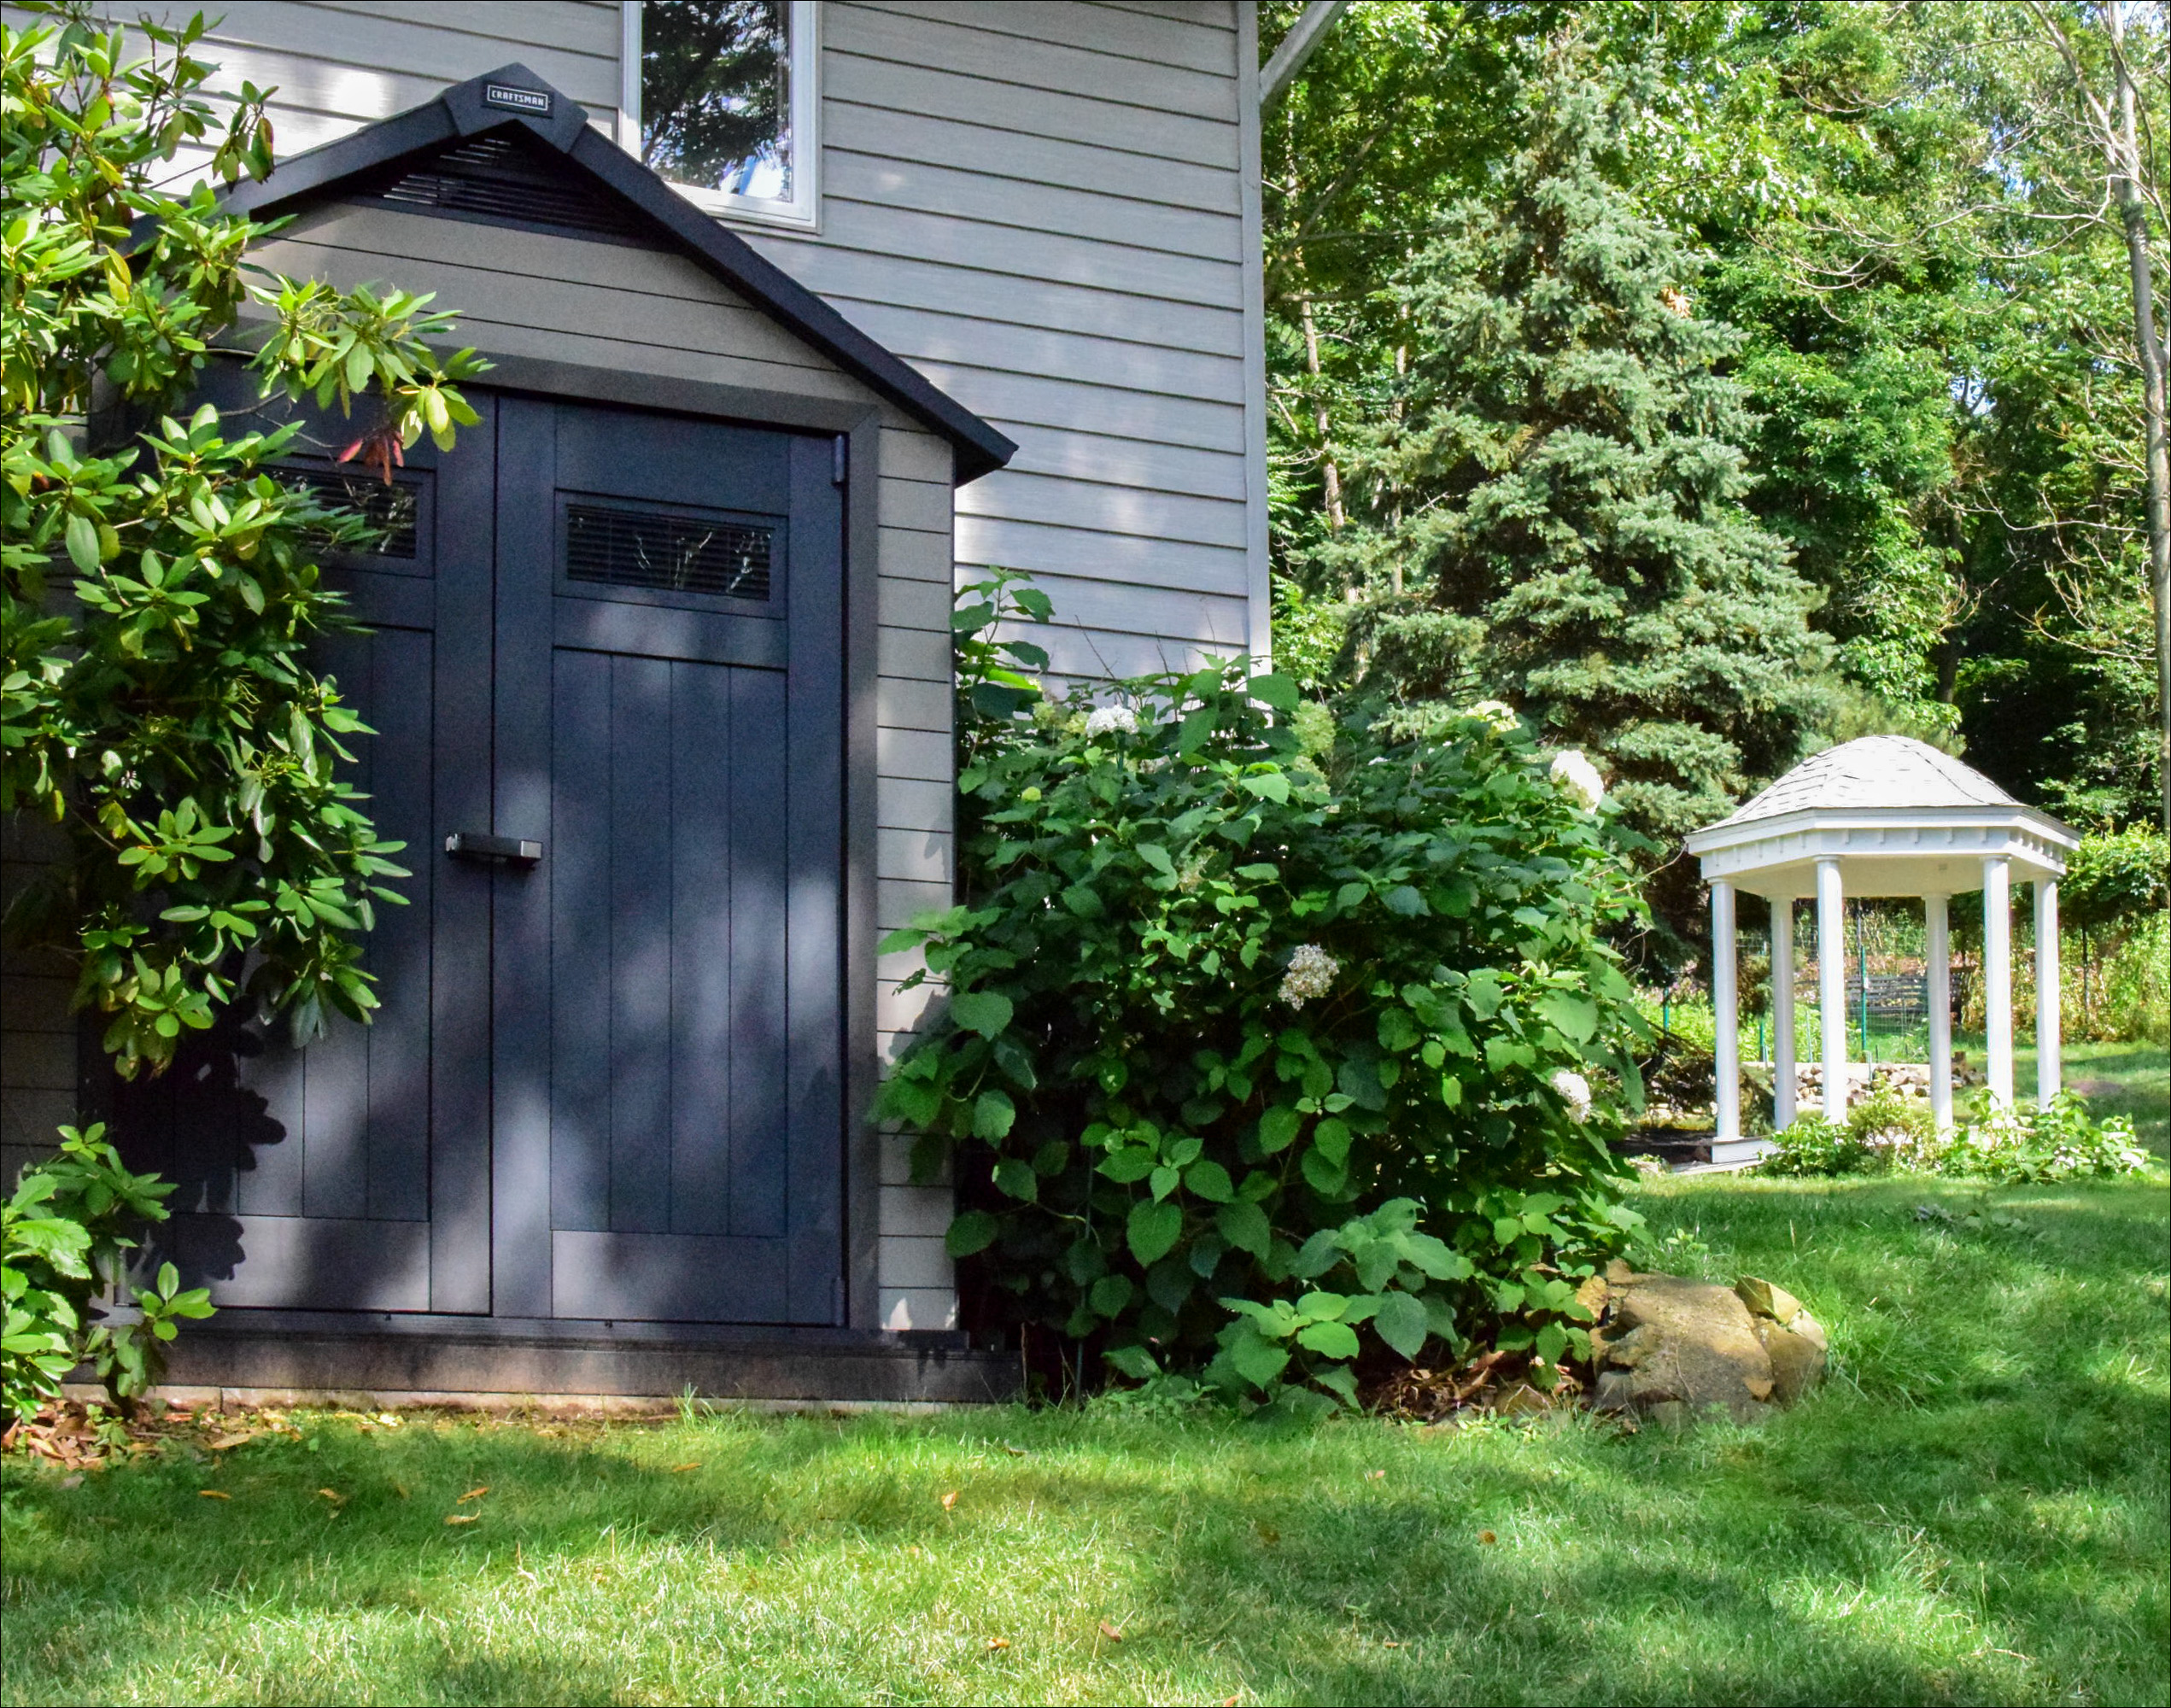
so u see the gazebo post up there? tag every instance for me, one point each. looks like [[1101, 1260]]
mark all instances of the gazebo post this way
[[2047, 1073], [1831, 986], [1940, 1005], [1783, 1013], [1726, 1015], [1998, 976]]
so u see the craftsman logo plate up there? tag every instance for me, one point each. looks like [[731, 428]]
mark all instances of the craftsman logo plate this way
[[516, 99]]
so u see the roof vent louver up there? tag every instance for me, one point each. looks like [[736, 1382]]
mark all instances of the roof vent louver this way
[[670, 553], [495, 181]]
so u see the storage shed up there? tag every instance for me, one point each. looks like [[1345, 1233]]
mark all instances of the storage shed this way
[[622, 654]]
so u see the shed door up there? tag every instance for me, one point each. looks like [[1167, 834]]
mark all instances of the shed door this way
[[668, 1028], [355, 1174], [609, 1084]]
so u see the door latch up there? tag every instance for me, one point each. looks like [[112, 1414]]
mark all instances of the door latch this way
[[474, 845]]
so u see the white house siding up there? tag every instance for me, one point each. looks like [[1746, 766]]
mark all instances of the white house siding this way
[[1049, 207]]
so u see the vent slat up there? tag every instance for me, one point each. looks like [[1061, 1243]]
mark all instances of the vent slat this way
[[392, 510], [493, 178], [667, 552]]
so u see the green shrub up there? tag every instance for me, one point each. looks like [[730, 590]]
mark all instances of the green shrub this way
[[62, 1235], [1267, 1032], [1887, 1132], [159, 587]]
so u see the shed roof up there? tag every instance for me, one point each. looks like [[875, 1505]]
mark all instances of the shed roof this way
[[514, 101]]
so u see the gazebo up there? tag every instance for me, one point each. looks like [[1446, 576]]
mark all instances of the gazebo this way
[[1884, 816]]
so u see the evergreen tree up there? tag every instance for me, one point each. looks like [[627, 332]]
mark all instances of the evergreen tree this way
[[1556, 514]]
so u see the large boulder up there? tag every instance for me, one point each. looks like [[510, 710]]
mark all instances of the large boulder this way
[[1792, 1339], [1669, 1348]]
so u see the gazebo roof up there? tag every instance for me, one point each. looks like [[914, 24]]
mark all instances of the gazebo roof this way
[[1891, 772], [1901, 817]]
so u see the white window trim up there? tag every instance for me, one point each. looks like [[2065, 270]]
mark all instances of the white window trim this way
[[803, 210]]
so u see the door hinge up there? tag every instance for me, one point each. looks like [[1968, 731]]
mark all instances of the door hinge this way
[[839, 453]]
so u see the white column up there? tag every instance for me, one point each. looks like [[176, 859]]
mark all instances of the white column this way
[[1726, 1011], [1998, 976], [1940, 1003], [2047, 1073], [1831, 985], [1783, 1013]]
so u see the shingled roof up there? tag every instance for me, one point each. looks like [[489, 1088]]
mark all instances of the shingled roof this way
[[1876, 771]]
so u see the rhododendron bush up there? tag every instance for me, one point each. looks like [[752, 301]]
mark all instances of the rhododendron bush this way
[[1276, 1048]]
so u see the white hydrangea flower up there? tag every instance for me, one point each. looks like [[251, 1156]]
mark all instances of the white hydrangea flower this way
[[1574, 1091], [1573, 769], [1495, 713], [1111, 717], [1311, 973]]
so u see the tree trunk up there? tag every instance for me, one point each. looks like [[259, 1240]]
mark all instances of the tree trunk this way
[[1330, 475], [2127, 168]]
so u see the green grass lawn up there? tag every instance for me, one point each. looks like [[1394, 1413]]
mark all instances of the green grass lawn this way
[[1974, 1510]]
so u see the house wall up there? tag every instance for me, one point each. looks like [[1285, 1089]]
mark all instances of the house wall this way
[[1048, 207]]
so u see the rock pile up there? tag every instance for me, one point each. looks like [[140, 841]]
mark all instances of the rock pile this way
[[1667, 1347], [1908, 1079]]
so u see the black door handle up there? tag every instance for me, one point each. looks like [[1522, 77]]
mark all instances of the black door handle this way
[[474, 845]]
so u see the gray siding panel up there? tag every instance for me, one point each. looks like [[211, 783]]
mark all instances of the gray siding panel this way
[[920, 336], [877, 229], [1111, 170], [1035, 207], [1164, 42], [930, 88], [952, 38], [1056, 306], [1043, 208]]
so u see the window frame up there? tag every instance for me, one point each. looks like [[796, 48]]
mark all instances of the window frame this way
[[802, 211]]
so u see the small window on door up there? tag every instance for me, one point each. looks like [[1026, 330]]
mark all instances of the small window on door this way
[[719, 98]]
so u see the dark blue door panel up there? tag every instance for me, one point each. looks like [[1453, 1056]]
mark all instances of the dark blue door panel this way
[[354, 1174], [670, 1139]]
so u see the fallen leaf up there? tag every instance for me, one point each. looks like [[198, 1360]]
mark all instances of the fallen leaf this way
[[400, 1490], [950, 1500], [1110, 1632], [387, 1420], [476, 1492], [463, 1518], [1374, 1476], [998, 1642], [1390, 1645], [220, 1443], [1014, 1452], [334, 1496], [1487, 1536], [690, 1464], [74, 1482], [213, 1495]]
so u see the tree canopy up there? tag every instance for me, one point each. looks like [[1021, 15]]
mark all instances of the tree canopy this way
[[1908, 245]]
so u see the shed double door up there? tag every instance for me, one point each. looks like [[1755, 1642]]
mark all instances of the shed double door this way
[[607, 1082]]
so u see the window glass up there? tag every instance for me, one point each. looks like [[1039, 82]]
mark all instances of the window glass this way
[[715, 96]]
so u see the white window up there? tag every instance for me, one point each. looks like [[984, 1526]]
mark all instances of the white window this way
[[719, 98]]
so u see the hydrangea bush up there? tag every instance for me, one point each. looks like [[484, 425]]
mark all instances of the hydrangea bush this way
[[1274, 1045]]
